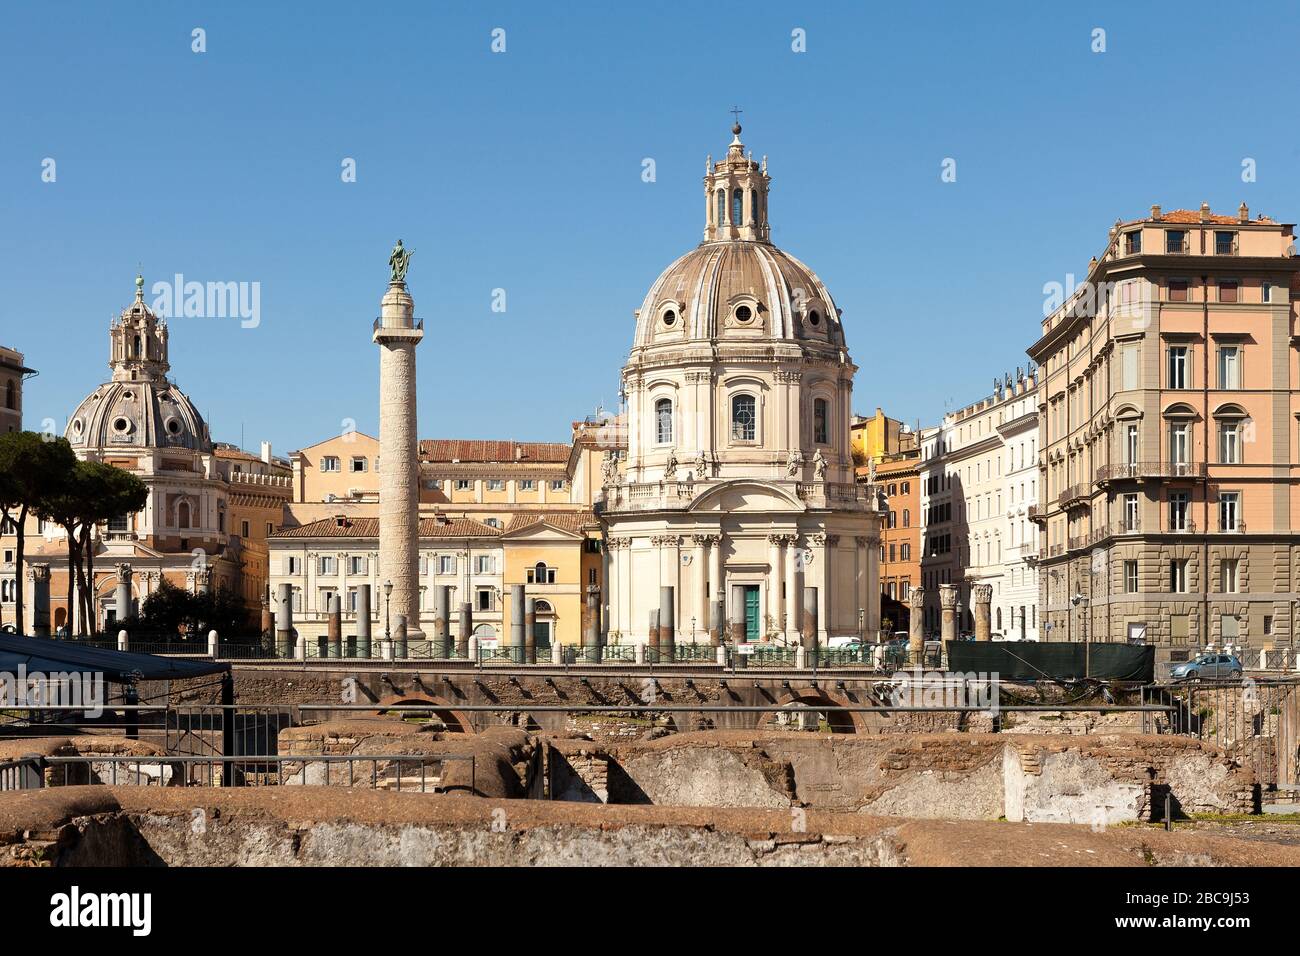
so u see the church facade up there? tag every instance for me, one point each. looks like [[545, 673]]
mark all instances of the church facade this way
[[737, 488]]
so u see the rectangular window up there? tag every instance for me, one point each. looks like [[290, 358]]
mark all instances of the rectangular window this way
[[1230, 511], [292, 565], [528, 484], [270, 529], [1178, 576], [1227, 290], [1228, 576], [358, 465], [1178, 377], [1131, 443], [1131, 512], [483, 564], [495, 484], [1266, 292], [1179, 435], [325, 565], [1175, 242], [1128, 366], [1177, 290], [244, 531], [485, 599], [1230, 442], [557, 485], [356, 564], [463, 484], [1130, 577], [1229, 366], [351, 605], [1225, 243], [446, 564], [1179, 509], [1132, 242], [329, 463]]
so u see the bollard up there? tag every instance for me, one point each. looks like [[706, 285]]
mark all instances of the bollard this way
[[123, 642], [441, 621], [464, 626], [385, 649], [363, 621], [530, 630], [652, 643], [515, 648], [722, 656], [473, 647], [638, 654], [557, 653], [667, 624], [800, 657], [301, 647], [213, 644]]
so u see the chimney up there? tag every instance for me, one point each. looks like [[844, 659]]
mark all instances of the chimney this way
[[266, 452], [1205, 212], [1155, 212], [1243, 213]]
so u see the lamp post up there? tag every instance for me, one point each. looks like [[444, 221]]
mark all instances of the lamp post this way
[[388, 604], [1081, 601]]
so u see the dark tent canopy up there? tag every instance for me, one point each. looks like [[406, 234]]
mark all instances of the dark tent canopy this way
[[48, 657]]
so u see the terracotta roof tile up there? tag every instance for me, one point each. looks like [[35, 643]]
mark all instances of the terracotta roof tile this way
[[573, 521], [369, 528], [489, 450], [1192, 217]]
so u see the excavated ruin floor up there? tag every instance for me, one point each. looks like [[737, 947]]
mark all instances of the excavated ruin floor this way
[[103, 825]]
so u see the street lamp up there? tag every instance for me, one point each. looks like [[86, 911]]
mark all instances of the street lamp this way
[[388, 606], [1081, 601]]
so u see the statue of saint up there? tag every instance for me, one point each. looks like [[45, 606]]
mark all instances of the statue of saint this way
[[702, 464], [398, 261], [793, 463], [819, 465], [670, 467]]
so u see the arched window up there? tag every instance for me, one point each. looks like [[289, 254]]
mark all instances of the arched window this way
[[664, 421], [183, 515], [722, 207], [821, 431], [541, 574], [753, 207], [135, 348], [737, 207], [744, 420]]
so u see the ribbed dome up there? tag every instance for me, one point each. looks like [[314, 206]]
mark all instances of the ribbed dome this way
[[138, 415], [740, 289]]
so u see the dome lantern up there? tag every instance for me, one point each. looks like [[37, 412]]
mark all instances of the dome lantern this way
[[138, 337], [735, 191]]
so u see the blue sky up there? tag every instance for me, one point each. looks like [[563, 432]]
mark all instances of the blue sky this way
[[522, 171]]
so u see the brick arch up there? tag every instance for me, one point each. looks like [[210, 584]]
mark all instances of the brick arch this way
[[457, 721], [842, 722]]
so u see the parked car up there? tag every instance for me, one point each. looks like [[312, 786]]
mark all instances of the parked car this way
[[1209, 666]]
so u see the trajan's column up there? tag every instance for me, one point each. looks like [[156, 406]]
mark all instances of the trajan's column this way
[[397, 334]]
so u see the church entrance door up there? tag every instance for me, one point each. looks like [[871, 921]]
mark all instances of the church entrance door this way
[[751, 613]]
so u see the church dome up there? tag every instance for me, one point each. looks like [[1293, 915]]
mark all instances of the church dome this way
[[139, 407], [736, 284], [738, 289]]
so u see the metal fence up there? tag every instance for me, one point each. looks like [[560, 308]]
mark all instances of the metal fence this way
[[397, 772]]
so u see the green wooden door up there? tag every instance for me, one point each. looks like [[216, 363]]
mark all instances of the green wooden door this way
[[751, 613]]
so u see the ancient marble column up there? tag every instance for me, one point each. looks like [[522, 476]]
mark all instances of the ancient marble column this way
[[122, 593], [982, 598], [397, 335], [39, 576], [668, 623], [809, 632], [284, 619], [793, 601], [591, 625], [916, 624], [948, 612], [363, 620], [530, 631], [334, 626], [516, 641]]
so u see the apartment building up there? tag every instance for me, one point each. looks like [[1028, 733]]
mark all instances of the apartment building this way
[[12, 373], [1168, 418], [978, 484]]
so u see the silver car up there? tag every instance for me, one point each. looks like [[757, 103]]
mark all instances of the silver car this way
[[1209, 666]]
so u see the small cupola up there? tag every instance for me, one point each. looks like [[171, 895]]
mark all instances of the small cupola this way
[[735, 191]]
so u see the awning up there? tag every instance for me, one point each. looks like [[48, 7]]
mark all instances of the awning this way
[[49, 657]]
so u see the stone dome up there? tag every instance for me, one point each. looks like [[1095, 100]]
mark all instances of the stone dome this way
[[738, 289], [138, 415], [139, 407]]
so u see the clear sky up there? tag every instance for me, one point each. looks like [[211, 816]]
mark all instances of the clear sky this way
[[522, 171]]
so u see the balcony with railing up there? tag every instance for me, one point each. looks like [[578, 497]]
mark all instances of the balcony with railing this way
[[1133, 471], [1076, 496], [1036, 514]]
